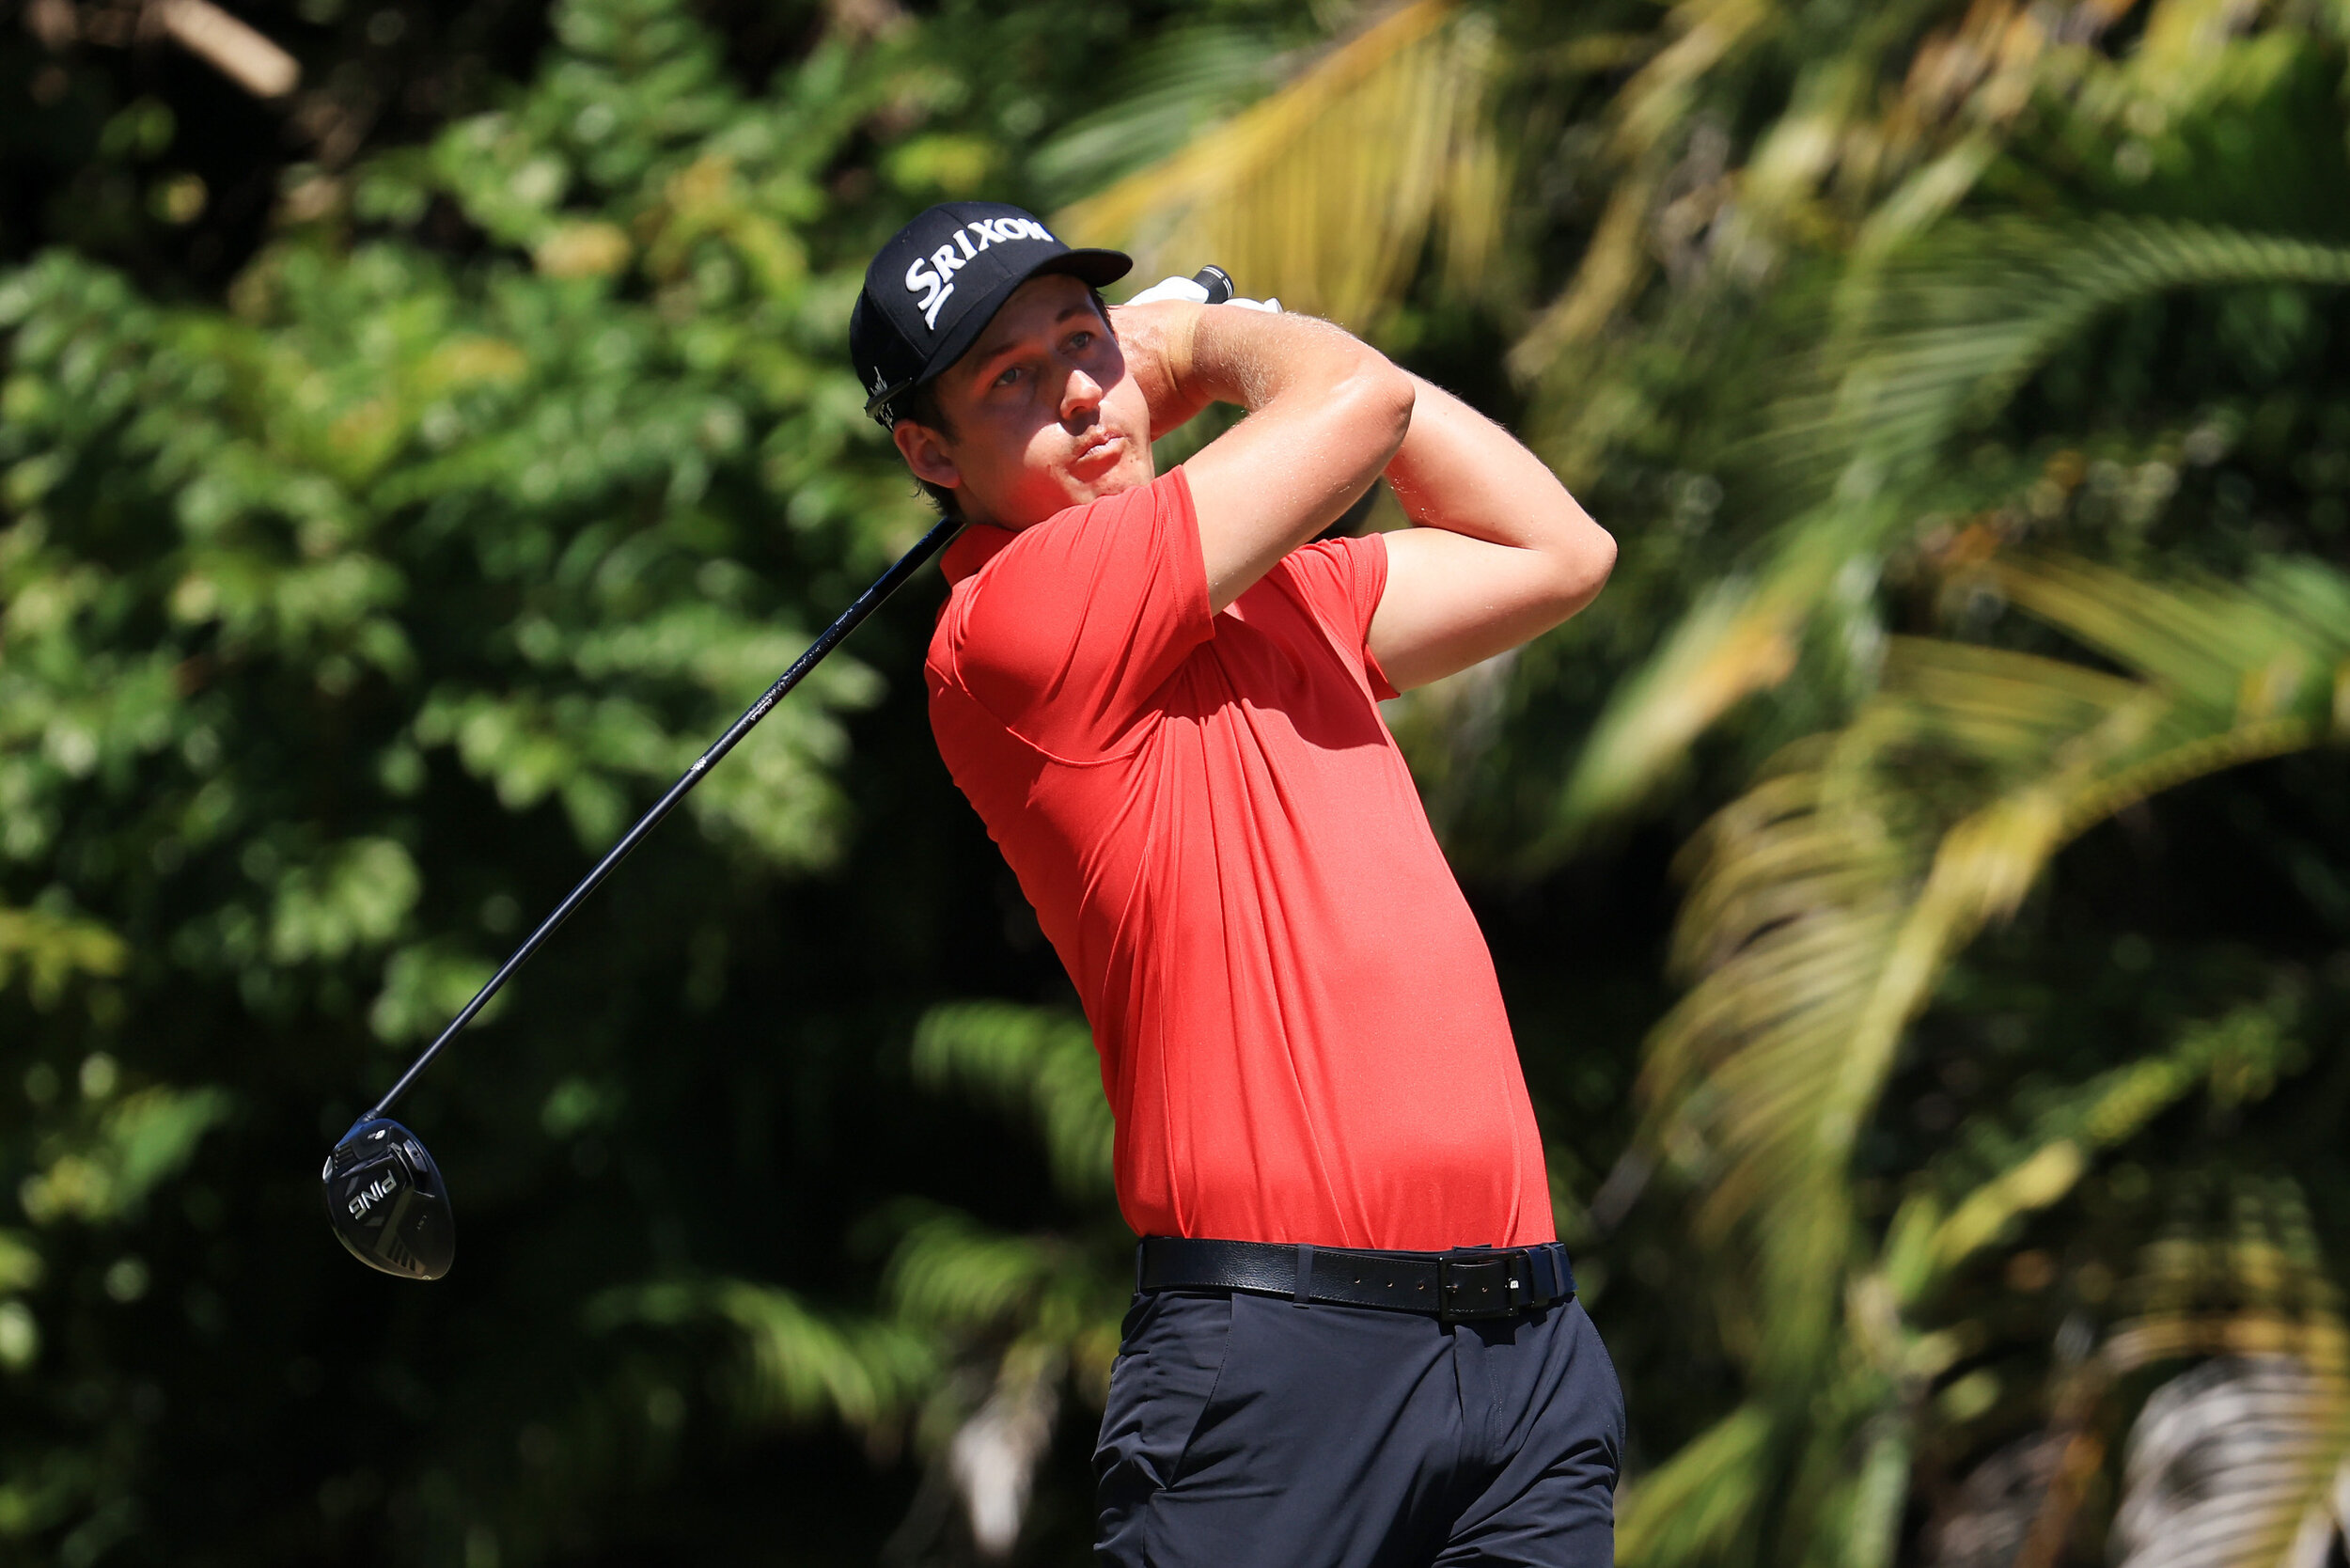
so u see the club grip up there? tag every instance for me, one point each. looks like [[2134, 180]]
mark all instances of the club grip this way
[[1216, 281]]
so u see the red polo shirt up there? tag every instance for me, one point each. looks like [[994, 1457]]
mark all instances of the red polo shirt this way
[[1301, 1035]]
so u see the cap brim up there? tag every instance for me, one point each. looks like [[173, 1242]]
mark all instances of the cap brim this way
[[1095, 267], [1099, 268]]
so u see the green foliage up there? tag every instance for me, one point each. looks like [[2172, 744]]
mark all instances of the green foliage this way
[[1874, 332], [1915, 354], [801, 1364], [1960, 380], [1033, 1059], [337, 626]]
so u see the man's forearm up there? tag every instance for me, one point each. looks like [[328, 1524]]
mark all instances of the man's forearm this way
[[1326, 414], [1190, 356], [1256, 359], [1459, 471], [1502, 552]]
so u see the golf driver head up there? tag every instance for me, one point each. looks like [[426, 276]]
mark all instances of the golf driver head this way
[[387, 1203]]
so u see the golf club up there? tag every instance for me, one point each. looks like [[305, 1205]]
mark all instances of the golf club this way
[[384, 1195]]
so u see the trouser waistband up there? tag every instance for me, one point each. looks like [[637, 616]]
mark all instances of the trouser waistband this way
[[1453, 1287]]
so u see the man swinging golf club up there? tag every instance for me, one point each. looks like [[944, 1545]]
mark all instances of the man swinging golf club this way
[[1355, 1339]]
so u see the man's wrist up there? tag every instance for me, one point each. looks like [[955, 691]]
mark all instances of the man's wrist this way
[[1177, 355], [1158, 340]]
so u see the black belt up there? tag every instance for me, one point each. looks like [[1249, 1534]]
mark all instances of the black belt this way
[[1452, 1287]]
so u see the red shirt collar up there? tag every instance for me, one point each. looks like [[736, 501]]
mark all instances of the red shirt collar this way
[[972, 549]]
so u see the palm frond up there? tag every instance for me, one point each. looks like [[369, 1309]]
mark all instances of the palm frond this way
[[951, 1272], [1926, 1246], [1040, 1061], [1743, 635], [2195, 639], [1610, 275], [1918, 352], [801, 1363], [1662, 95], [1844, 156], [1900, 160], [1172, 91], [1829, 900], [2239, 1461], [2227, 1464], [1325, 193], [1705, 1497]]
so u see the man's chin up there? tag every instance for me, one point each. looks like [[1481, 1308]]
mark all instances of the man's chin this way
[[1117, 482], [1076, 488]]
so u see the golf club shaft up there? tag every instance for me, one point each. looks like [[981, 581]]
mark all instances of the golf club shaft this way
[[884, 585]]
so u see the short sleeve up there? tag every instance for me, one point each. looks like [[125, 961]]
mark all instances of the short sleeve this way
[[1066, 633], [1339, 582]]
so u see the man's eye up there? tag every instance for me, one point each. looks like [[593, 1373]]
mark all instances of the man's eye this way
[[1011, 374], [1080, 341]]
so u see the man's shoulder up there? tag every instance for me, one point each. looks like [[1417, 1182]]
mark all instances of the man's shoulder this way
[[1171, 491], [984, 554]]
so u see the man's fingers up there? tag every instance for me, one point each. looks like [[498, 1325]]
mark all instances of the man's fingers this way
[[1191, 291], [1172, 288]]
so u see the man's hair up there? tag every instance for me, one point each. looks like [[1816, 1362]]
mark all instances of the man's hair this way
[[919, 403]]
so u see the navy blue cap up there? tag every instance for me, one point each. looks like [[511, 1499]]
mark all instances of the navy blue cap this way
[[939, 281]]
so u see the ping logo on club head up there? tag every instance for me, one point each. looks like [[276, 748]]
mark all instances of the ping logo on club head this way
[[372, 1194]]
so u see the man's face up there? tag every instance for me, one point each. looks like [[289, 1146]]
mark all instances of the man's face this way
[[1043, 413]]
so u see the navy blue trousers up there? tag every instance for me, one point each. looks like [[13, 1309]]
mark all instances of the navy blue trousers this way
[[1245, 1430]]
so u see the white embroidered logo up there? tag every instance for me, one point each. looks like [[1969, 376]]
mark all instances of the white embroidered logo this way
[[936, 285]]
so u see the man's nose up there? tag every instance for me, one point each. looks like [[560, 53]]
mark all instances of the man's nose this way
[[1080, 395]]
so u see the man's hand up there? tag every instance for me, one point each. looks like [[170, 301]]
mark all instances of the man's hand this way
[[1325, 413], [1158, 346], [1156, 340], [1195, 293]]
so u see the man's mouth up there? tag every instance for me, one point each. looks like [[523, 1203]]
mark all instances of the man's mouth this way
[[1098, 443]]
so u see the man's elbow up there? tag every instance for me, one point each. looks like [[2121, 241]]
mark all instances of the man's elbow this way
[[1376, 399], [1580, 563]]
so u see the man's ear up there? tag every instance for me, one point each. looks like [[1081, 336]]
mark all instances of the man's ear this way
[[925, 454]]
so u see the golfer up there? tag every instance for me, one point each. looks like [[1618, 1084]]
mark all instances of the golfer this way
[[1355, 1338]]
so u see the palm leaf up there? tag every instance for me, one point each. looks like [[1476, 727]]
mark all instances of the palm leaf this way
[[1829, 900], [950, 1271], [2239, 1463], [800, 1363], [1172, 91], [1702, 1501], [1926, 1246], [1325, 193], [2228, 1463], [1040, 1061], [1902, 161], [1915, 354]]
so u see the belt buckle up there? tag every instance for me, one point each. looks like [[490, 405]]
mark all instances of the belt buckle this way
[[1493, 1285]]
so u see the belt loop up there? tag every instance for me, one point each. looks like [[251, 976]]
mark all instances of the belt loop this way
[[1305, 1292], [1542, 1263], [1139, 1247]]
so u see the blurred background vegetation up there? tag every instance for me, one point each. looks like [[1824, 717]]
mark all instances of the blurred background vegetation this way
[[1921, 885]]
